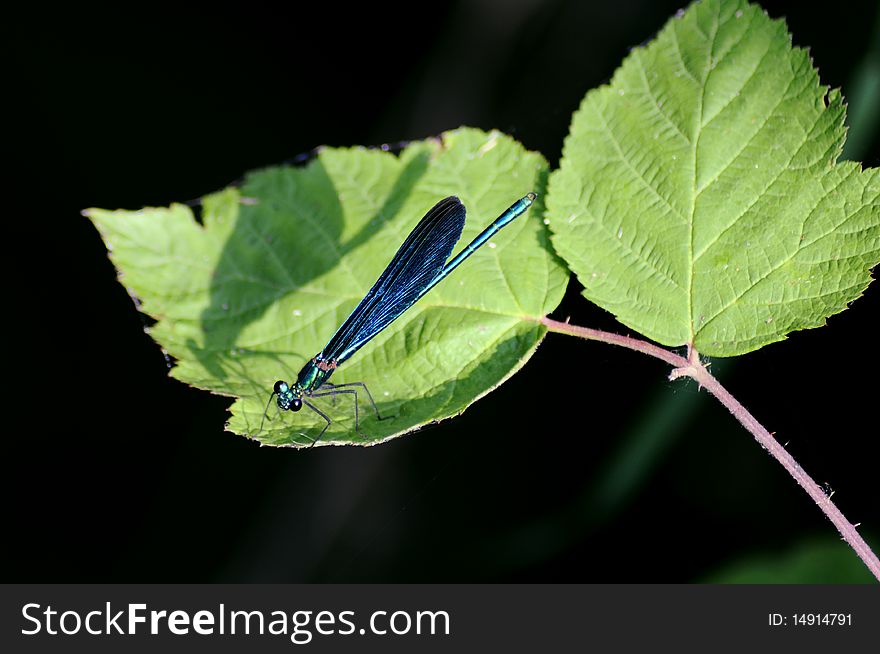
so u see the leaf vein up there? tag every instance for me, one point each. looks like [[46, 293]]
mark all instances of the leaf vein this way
[[659, 111], [748, 79], [783, 261], [761, 194], [635, 170]]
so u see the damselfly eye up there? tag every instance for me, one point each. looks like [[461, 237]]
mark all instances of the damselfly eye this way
[[280, 387], [296, 405]]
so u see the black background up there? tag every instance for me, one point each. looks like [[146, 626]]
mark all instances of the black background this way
[[114, 472]]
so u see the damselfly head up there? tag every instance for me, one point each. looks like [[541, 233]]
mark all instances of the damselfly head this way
[[288, 396]]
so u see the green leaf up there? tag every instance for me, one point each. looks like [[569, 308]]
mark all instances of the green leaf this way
[[254, 292], [699, 197], [812, 562]]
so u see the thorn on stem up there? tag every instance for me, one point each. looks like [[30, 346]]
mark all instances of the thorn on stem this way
[[685, 372], [676, 373]]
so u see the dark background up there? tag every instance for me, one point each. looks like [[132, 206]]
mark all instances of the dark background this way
[[114, 472]]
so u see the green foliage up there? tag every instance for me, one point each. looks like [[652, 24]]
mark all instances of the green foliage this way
[[251, 294], [811, 562], [699, 198]]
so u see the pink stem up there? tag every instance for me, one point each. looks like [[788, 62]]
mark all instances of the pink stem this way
[[692, 367]]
